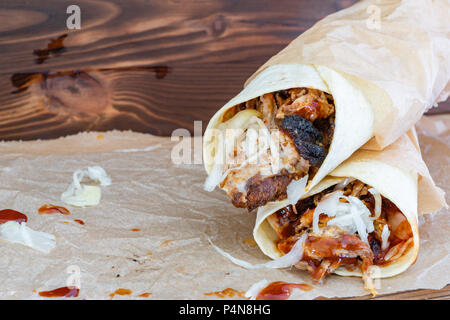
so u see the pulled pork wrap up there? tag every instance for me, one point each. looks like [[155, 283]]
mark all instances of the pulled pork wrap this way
[[361, 220], [338, 86], [286, 125]]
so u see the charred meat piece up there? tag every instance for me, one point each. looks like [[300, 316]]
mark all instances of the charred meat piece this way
[[307, 139], [262, 190]]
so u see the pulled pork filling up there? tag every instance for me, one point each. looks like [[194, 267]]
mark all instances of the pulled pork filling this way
[[304, 122], [383, 235]]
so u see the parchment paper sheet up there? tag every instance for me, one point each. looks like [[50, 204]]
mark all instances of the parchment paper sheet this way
[[395, 51], [170, 256]]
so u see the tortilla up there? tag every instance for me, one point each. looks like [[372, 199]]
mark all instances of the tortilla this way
[[398, 184]]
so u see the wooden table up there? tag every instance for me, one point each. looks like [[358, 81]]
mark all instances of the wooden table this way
[[147, 65]]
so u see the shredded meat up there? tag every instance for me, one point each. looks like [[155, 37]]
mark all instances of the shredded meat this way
[[262, 190], [304, 120], [332, 247], [325, 253]]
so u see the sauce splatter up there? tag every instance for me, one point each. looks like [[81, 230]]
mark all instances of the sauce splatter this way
[[280, 290], [67, 292], [250, 242], [79, 221], [12, 215], [166, 243], [100, 137], [121, 292], [145, 294], [135, 229], [52, 209], [228, 292]]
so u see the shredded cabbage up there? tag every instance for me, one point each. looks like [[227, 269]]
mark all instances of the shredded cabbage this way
[[81, 195], [352, 216], [287, 260], [296, 189], [16, 232], [377, 197], [328, 205], [256, 288], [258, 141], [385, 237]]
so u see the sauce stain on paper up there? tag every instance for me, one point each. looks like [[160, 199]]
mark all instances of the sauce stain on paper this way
[[67, 292], [121, 292], [280, 290], [166, 243], [228, 292], [250, 242], [52, 209], [12, 215]]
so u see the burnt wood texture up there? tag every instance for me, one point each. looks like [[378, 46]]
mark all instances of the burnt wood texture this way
[[150, 66]]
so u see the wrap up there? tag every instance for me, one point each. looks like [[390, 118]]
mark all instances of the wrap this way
[[385, 173], [382, 76]]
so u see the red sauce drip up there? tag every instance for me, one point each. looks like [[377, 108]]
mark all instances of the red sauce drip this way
[[135, 229], [67, 292], [280, 290], [310, 111], [145, 294], [120, 292], [79, 221], [52, 209], [12, 215]]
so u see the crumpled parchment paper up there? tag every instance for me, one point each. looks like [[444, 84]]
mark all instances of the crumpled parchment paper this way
[[169, 256], [395, 52]]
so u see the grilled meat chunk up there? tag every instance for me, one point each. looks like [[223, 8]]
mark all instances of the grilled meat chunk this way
[[307, 139]]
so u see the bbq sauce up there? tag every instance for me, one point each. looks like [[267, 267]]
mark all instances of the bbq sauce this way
[[67, 292], [120, 292], [52, 209], [79, 221], [145, 295], [12, 215], [280, 290], [228, 292]]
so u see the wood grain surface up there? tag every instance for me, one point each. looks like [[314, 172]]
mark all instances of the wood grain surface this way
[[147, 65], [150, 66]]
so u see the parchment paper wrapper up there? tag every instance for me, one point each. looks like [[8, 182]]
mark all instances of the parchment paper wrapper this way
[[395, 52], [175, 217]]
